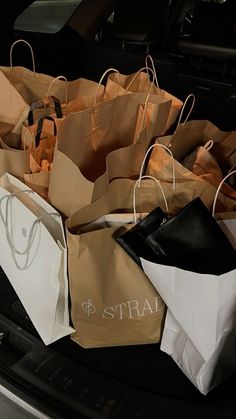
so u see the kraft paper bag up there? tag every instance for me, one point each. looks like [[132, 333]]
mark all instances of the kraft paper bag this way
[[13, 161], [86, 138], [52, 106], [33, 86], [13, 109], [180, 185], [34, 257], [13, 112], [188, 183], [112, 303], [203, 164], [192, 134], [139, 82]]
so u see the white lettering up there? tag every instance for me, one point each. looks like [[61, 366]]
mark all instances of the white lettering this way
[[120, 309], [133, 307], [162, 304], [146, 307], [108, 313]]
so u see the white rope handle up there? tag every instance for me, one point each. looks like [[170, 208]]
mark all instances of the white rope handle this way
[[149, 57], [233, 172], [143, 120], [54, 81], [31, 50], [191, 96], [144, 115], [26, 134], [9, 231], [137, 185], [145, 158], [109, 70], [208, 145]]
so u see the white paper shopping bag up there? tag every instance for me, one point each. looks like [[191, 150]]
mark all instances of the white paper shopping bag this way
[[34, 257], [199, 332]]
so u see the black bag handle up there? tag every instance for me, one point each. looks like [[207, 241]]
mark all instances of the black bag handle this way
[[44, 103], [40, 128]]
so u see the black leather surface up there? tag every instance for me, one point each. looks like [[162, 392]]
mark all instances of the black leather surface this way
[[191, 240]]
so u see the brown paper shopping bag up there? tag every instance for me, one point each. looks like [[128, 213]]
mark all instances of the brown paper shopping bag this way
[[33, 86], [193, 137], [180, 185], [86, 138], [188, 184], [112, 302], [140, 82], [13, 109], [13, 112], [13, 161], [193, 133]]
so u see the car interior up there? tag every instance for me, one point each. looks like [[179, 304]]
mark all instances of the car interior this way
[[193, 46]]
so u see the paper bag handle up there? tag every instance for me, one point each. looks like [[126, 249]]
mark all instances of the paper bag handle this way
[[145, 107], [145, 158], [31, 50], [23, 138], [54, 81], [233, 172], [149, 57], [191, 96], [36, 138], [146, 101], [40, 127], [137, 185], [109, 70], [9, 231]]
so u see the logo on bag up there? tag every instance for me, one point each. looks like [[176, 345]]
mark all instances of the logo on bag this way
[[88, 307], [133, 309], [130, 309]]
